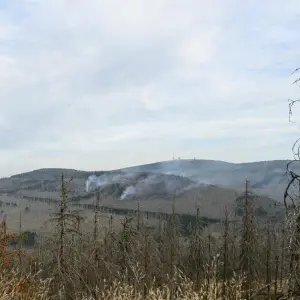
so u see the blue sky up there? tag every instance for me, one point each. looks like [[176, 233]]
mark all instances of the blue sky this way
[[103, 84]]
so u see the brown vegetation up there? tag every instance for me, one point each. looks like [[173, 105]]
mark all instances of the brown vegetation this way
[[247, 261]]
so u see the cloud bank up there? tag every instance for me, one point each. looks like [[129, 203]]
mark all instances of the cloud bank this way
[[103, 85]]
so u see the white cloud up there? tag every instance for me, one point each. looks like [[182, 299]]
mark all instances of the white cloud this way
[[100, 84], [200, 47]]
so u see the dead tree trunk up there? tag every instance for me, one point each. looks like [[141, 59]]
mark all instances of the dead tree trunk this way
[[294, 282]]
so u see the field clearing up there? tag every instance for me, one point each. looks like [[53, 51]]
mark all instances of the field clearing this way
[[36, 216]]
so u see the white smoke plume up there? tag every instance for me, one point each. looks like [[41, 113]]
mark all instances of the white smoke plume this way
[[129, 191], [158, 184], [136, 184], [94, 182]]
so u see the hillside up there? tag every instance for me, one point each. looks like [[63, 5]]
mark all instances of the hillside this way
[[266, 177], [209, 185]]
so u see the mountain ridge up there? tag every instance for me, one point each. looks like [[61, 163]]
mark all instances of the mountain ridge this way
[[211, 184], [148, 165], [267, 177]]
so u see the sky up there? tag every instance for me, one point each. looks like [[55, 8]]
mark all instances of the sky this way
[[105, 84]]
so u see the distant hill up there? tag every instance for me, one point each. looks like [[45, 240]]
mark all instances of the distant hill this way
[[266, 177], [208, 184]]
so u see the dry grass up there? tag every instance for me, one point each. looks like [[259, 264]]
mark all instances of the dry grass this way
[[27, 277], [31, 287], [133, 261]]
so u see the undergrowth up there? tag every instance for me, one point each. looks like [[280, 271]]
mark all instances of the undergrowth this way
[[248, 260]]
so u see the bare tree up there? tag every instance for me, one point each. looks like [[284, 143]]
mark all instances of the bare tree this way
[[291, 201], [248, 245]]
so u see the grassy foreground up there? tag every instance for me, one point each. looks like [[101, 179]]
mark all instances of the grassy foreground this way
[[23, 276], [30, 287], [248, 260]]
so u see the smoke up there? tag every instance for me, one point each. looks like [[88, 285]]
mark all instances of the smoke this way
[[157, 185], [93, 182], [142, 184], [129, 191]]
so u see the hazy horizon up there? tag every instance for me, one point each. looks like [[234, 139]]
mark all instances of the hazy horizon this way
[[97, 85], [137, 165]]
